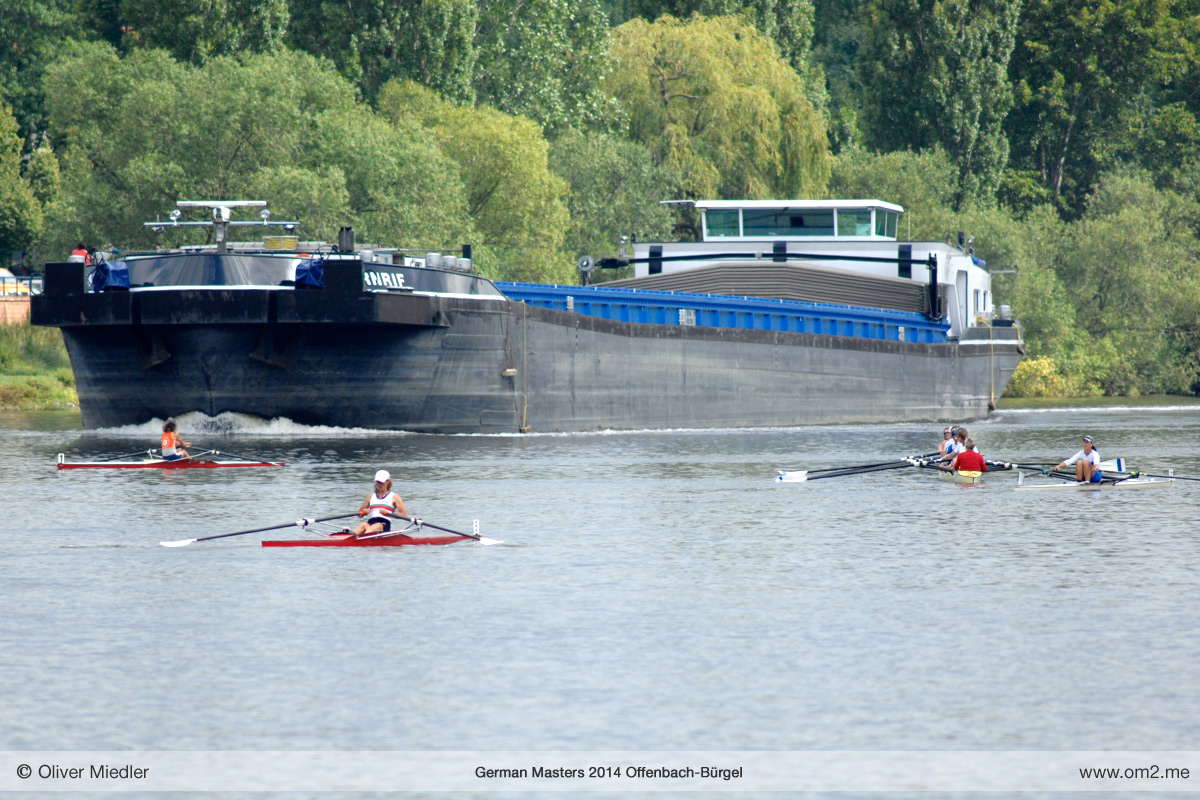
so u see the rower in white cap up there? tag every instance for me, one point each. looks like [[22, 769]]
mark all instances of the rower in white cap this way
[[379, 505], [1086, 461]]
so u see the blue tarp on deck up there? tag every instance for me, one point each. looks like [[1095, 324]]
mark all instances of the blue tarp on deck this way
[[727, 311]]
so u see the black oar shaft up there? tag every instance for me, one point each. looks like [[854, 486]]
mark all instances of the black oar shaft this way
[[273, 527], [437, 527], [236, 455], [845, 469], [863, 471]]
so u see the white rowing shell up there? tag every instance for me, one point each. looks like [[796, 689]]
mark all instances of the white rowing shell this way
[[1128, 483]]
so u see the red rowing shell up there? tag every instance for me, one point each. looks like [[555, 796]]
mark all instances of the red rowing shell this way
[[182, 464], [348, 540]]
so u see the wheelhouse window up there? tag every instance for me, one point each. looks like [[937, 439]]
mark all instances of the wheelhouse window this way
[[785, 222], [721, 222], [885, 223], [854, 222]]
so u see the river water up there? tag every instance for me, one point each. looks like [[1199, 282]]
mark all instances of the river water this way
[[654, 591]]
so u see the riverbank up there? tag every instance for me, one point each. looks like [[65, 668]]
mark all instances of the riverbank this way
[[35, 373], [1141, 401]]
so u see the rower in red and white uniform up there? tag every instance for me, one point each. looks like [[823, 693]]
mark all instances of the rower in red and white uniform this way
[[379, 505], [968, 459], [172, 445]]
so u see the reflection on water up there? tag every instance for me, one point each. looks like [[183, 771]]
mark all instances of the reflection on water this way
[[656, 590]]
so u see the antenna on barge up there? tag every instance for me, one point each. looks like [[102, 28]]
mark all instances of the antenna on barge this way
[[222, 218]]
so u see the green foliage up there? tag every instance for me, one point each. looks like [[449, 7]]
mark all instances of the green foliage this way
[[788, 23], [616, 189], [838, 31], [923, 183], [516, 204], [936, 74], [31, 32], [545, 60], [20, 211], [1078, 67], [26, 350], [1037, 377], [282, 127], [1133, 266], [43, 174], [373, 41], [198, 30], [715, 103]]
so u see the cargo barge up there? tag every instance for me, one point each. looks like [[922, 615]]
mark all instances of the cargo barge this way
[[752, 326]]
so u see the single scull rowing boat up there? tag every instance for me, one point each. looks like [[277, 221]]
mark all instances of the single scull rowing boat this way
[[1130, 482], [379, 540], [333, 536], [205, 459]]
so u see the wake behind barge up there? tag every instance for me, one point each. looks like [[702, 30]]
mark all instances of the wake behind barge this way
[[369, 338]]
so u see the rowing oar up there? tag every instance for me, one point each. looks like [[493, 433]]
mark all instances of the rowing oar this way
[[828, 470], [422, 523], [1014, 465], [244, 458], [1137, 474], [126, 455], [801, 476], [298, 523]]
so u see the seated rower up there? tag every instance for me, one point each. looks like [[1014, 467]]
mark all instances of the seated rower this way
[[1086, 461], [968, 458], [172, 445], [379, 505], [947, 441], [955, 445]]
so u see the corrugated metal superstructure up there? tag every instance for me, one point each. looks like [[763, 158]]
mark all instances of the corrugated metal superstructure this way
[[792, 281]]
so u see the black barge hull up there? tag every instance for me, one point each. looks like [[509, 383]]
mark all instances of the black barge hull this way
[[346, 357]]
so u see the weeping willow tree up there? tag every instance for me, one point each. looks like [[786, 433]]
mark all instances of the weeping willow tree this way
[[715, 103]]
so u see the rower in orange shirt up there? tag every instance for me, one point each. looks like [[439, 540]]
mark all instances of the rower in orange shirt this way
[[172, 445]]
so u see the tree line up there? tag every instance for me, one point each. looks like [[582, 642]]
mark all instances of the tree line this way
[[1062, 134]]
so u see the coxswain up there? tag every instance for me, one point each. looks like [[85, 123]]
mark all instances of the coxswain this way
[[379, 505], [968, 459], [172, 445], [1086, 461]]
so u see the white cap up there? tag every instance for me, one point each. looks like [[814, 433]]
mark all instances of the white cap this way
[[382, 476]]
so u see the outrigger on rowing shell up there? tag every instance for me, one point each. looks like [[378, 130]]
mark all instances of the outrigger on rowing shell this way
[[204, 459], [337, 536]]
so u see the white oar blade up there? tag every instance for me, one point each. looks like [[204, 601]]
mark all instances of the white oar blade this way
[[794, 476], [483, 540], [180, 543]]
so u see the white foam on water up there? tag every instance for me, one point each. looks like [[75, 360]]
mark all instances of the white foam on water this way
[[196, 423]]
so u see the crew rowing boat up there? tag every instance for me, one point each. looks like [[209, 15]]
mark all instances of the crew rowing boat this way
[[205, 459], [943, 470], [966, 476], [1131, 481]]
